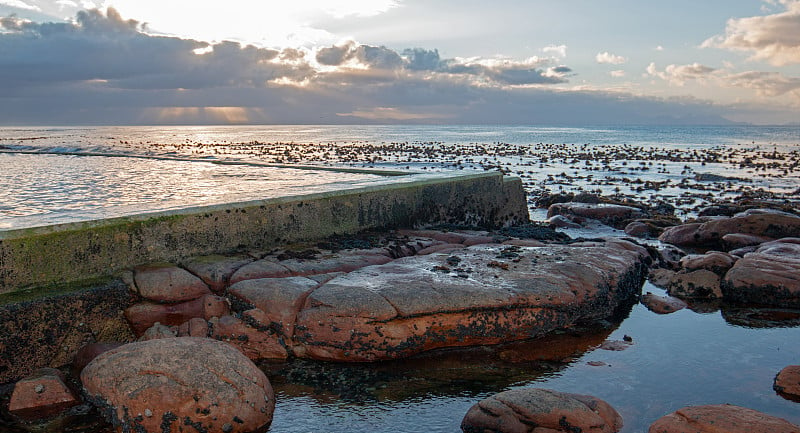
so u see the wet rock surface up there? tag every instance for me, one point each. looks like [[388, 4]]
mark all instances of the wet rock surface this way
[[787, 382], [180, 383], [662, 304], [41, 395], [721, 418], [535, 410], [767, 276]]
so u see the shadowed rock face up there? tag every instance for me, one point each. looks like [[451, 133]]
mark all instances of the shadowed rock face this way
[[765, 223], [479, 295], [767, 276]]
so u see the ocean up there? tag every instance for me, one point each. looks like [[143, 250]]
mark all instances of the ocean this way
[[50, 175]]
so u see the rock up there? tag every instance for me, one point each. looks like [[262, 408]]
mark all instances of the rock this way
[[164, 282], [769, 276], [440, 248], [614, 215], [215, 270], [41, 395], [721, 418], [787, 382], [714, 261], [337, 263], [144, 315], [177, 383], [254, 343], [195, 327], [525, 243], [685, 234], [446, 237], [616, 345], [662, 304], [734, 241], [669, 257], [471, 240], [87, 353], [754, 222], [420, 303], [265, 268], [560, 221], [279, 298], [535, 410], [700, 284], [640, 230], [158, 331], [661, 277]]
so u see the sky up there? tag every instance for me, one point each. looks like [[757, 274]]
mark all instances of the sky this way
[[534, 62]]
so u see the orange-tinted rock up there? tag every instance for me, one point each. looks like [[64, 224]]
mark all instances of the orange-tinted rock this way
[[610, 214], [787, 382], [338, 263], [770, 276], [279, 298], [144, 315], [662, 304], [164, 282], [180, 383], [685, 234], [700, 284], [196, 327], [254, 343], [721, 418], [425, 302], [714, 261], [266, 268], [640, 229], [216, 271], [541, 410], [41, 395]]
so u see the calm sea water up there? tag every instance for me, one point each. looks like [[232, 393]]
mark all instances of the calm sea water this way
[[707, 356], [51, 175]]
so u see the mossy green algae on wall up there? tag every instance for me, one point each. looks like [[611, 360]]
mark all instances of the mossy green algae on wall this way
[[66, 253]]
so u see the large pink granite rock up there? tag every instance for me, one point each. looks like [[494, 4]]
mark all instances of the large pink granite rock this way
[[479, 295], [765, 223], [145, 314], [279, 298], [180, 384], [164, 282], [215, 270], [41, 395], [721, 418], [541, 410]]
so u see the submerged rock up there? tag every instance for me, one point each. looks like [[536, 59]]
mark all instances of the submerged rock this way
[[721, 418], [180, 384], [479, 295], [536, 409], [662, 304]]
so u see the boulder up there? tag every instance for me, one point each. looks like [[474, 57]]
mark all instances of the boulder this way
[[215, 270], [541, 410], [787, 382], [759, 222], [41, 395], [165, 282], [195, 327], [662, 304], [87, 353], [484, 294], [721, 418], [144, 315], [714, 261], [178, 384], [700, 284], [336, 263], [734, 241], [563, 222], [158, 331], [614, 215], [640, 230], [770, 276]]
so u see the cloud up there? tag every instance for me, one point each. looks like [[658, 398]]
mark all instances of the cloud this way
[[20, 4], [680, 74], [611, 59], [765, 83], [772, 38], [559, 51], [619, 73]]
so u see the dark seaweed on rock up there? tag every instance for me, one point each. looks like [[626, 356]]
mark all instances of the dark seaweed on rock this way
[[540, 232]]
